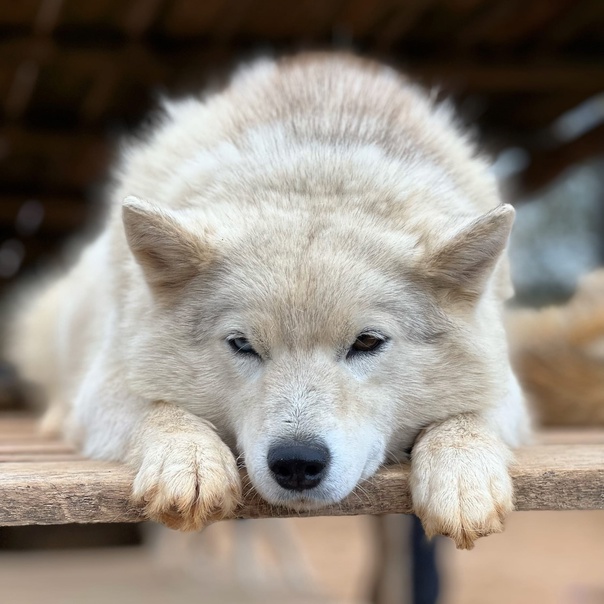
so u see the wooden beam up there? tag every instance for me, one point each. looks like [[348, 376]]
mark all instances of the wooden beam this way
[[41, 482], [60, 214], [546, 165], [53, 160], [552, 77], [79, 67]]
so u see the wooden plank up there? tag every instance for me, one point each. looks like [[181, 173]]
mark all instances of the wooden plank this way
[[529, 77], [67, 73], [402, 21], [38, 486], [19, 14], [360, 17], [548, 165], [64, 493], [31, 447], [304, 19], [16, 424], [559, 477], [528, 113], [59, 213], [570, 436], [38, 456], [53, 159], [183, 18]]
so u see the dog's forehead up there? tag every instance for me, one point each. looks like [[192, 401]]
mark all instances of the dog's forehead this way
[[318, 263], [303, 288], [317, 300]]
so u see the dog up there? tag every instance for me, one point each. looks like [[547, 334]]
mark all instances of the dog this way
[[558, 355], [307, 270]]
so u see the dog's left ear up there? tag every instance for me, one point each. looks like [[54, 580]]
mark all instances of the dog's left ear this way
[[462, 266]]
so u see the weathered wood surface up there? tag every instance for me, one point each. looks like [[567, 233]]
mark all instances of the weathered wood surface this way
[[45, 482]]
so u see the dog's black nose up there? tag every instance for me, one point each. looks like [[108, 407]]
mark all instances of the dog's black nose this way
[[297, 466]]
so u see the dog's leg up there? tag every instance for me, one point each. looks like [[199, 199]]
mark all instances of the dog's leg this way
[[186, 476], [460, 483]]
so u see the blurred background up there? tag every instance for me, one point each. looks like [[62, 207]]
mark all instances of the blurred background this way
[[527, 77]]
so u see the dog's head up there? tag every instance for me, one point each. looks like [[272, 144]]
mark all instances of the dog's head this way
[[319, 347]]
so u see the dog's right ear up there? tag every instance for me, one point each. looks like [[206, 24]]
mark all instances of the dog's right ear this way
[[169, 253], [461, 267]]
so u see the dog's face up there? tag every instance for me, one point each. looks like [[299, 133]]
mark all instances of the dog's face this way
[[321, 349]]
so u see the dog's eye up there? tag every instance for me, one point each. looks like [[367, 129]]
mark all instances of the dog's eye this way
[[241, 346], [366, 342]]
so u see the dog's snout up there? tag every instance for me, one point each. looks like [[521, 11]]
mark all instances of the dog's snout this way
[[298, 466]]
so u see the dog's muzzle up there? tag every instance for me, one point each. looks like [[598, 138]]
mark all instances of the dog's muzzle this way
[[297, 466]]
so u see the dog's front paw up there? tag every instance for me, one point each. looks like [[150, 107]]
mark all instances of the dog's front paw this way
[[461, 490], [187, 481]]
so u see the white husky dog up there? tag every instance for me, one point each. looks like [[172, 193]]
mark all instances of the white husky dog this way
[[307, 270]]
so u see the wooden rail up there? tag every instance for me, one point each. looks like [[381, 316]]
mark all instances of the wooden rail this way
[[46, 482]]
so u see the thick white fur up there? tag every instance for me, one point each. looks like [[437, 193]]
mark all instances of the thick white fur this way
[[315, 198]]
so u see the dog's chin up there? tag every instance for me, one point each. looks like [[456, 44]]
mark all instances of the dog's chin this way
[[302, 503]]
